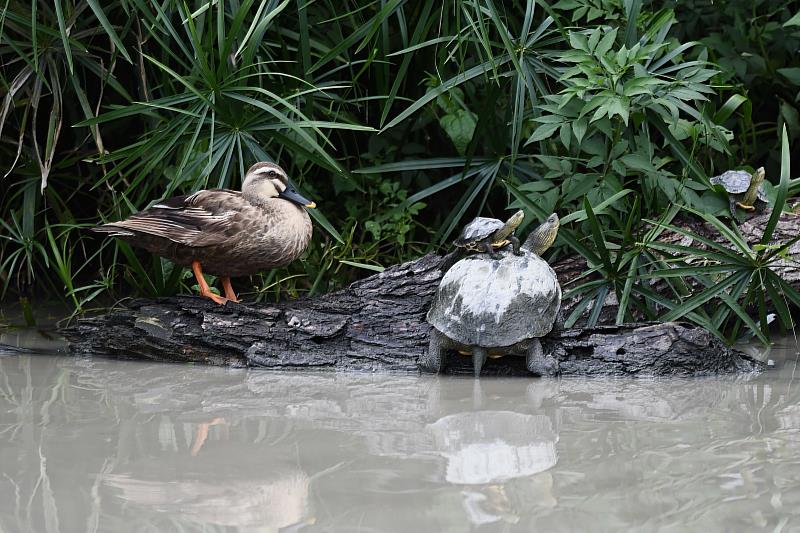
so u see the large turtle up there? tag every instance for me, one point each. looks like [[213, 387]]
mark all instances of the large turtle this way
[[490, 234], [744, 189], [492, 307]]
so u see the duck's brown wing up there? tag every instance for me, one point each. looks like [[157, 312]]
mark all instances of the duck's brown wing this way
[[200, 219]]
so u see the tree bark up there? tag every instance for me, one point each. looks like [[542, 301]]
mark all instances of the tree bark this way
[[378, 324]]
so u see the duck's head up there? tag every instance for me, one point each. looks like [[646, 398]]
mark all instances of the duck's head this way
[[266, 180]]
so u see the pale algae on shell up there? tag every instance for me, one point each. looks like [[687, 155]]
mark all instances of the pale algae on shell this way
[[494, 303]]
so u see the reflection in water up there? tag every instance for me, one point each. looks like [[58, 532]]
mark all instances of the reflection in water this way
[[494, 446], [489, 448], [99, 445], [266, 504]]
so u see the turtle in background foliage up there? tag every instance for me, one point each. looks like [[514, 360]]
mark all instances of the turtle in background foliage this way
[[491, 307], [745, 190], [490, 234]]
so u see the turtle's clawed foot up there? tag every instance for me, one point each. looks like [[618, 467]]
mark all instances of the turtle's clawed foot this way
[[538, 363], [495, 256], [515, 245], [746, 207]]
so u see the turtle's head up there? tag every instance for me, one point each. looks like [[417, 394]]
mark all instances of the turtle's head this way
[[543, 237], [759, 175], [515, 220]]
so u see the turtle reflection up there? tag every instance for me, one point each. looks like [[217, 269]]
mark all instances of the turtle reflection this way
[[485, 450]]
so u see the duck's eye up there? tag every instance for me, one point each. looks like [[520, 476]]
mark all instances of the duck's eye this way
[[272, 174]]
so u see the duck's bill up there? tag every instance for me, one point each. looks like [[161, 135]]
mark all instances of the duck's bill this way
[[294, 196]]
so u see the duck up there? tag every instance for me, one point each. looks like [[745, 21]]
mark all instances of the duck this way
[[224, 232]]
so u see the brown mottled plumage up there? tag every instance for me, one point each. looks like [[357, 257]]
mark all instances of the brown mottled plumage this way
[[223, 232]]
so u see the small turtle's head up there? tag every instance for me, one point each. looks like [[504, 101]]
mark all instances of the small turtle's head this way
[[515, 220], [759, 175]]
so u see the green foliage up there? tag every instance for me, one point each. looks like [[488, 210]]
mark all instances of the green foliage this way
[[740, 275], [615, 101], [754, 43], [402, 120]]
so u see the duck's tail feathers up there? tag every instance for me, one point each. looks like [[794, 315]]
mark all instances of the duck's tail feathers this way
[[112, 230]]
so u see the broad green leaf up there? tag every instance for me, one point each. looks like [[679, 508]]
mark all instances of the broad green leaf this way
[[578, 41], [544, 131], [792, 74], [730, 106], [794, 21], [460, 127], [606, 43]]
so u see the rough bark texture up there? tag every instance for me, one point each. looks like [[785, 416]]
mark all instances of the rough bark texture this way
[[378, 324]]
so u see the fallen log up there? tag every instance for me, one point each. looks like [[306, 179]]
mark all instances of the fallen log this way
[[378, 324]]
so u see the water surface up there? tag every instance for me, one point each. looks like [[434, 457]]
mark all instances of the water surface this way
[[92, 444]]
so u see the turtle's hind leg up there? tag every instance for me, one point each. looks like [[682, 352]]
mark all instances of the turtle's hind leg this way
[[433, 359], [732, 204], [479, 356], [539, 364]]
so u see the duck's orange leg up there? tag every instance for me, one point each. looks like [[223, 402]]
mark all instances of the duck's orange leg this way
[[201, 281], [229, 294], [202, 434]]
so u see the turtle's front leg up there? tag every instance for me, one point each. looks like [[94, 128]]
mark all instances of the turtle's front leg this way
[[539, 364], [515, 245], [479, 356]]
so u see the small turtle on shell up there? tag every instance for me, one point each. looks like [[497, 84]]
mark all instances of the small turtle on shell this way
[[744, 189], [492, 307], [490, 234]]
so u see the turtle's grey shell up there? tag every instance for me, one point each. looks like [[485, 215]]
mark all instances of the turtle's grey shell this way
[[496, 302], [737, 182], [479, 229]]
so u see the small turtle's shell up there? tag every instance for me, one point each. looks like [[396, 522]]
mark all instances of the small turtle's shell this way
[[737, 182], [496, 302], [477, 230]]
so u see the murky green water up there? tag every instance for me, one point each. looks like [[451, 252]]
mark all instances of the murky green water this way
[[104, 445]]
